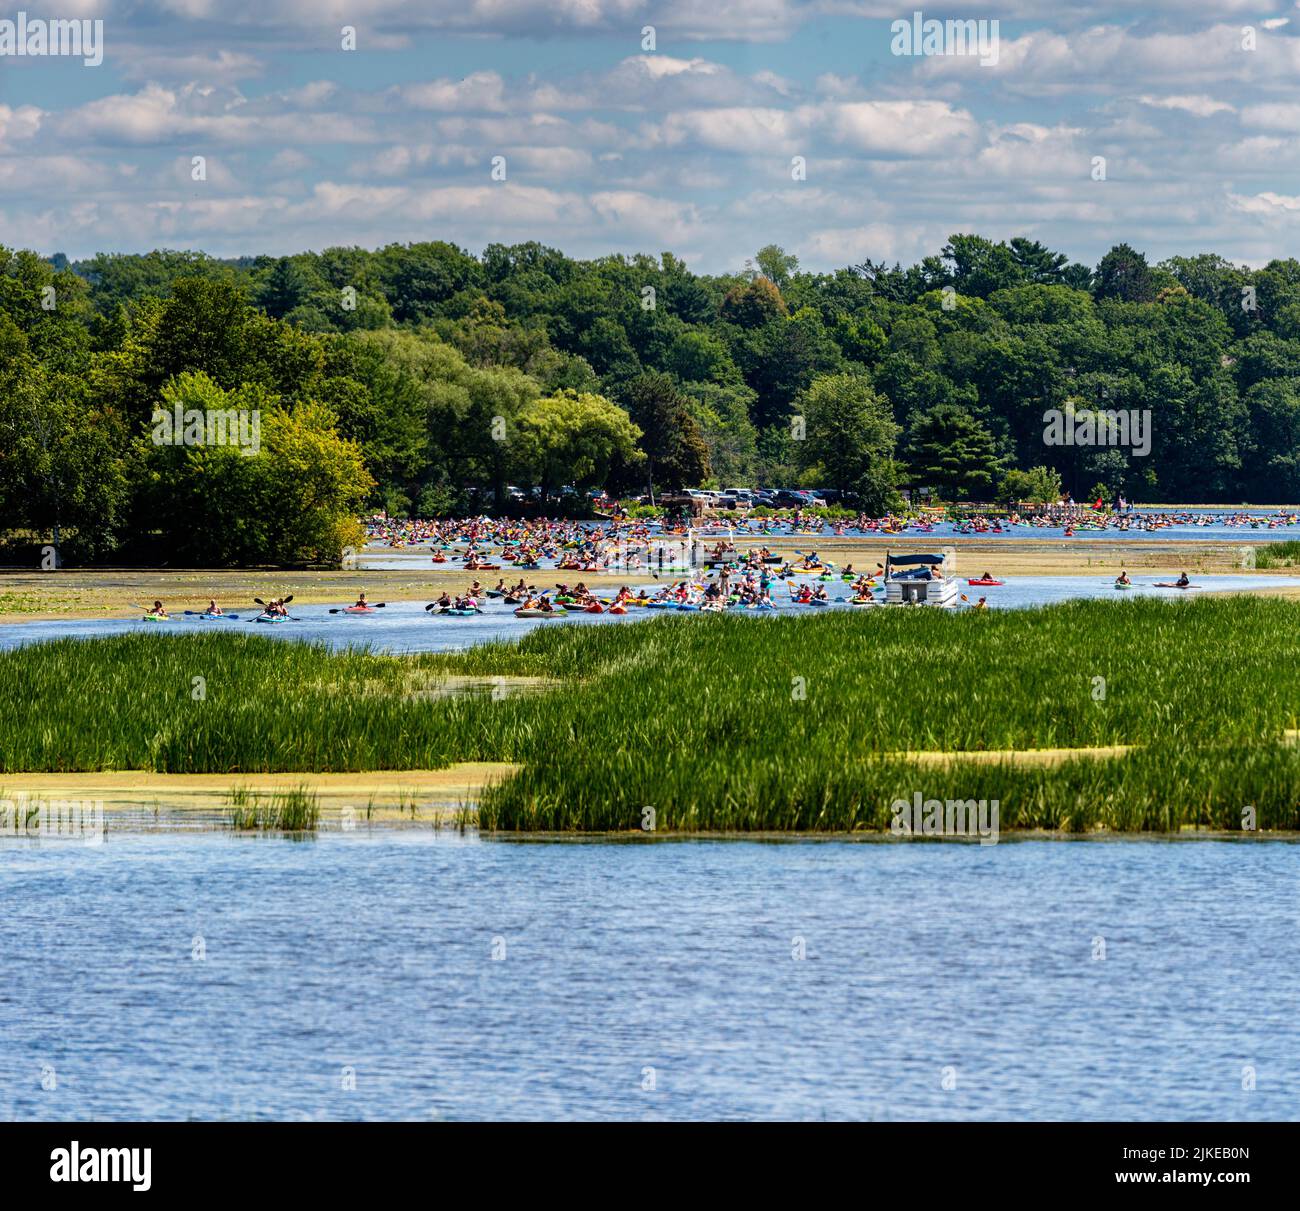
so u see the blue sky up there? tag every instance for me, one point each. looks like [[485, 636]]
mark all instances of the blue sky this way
[[688, 148]]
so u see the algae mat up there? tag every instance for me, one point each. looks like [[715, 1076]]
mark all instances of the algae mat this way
[[381, 795]]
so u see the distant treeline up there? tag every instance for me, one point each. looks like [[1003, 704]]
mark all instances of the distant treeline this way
[[422, 378]]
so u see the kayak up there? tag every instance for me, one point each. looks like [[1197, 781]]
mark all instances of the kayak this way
[[982, 580], [1122, 586], [618, 609], [157, 618], [1159, 585], [862, 601], [535, 613], [271, 618], [458, 613], [594, 608], [359, 610]]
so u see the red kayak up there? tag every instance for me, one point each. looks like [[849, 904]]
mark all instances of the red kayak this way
[[981, 580], [359, 610]]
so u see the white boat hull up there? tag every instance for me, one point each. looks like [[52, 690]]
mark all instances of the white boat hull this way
[[903, 591]]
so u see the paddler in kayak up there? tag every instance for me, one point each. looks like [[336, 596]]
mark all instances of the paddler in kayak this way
[[362, 603], [158, 611], [213, 608], [1182, 582], [1122, 578]]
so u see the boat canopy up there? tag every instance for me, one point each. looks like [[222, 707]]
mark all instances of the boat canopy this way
[[930, 559]]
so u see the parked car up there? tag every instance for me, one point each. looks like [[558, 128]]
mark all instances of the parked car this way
[[787, 498], [707, 499]]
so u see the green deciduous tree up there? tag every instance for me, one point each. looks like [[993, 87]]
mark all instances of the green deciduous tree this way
[[293, 499], [573, 438], [849, 437]]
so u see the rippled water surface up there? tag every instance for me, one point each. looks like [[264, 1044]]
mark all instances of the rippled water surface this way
[[373, 953]]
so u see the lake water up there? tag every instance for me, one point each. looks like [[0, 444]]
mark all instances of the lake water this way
[[404, 626], [373, 952]]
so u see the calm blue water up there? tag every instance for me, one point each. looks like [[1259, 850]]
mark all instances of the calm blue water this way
[[404, 626], [374, 951]]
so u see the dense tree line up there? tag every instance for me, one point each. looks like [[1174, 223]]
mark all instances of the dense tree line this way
[[422, 378]]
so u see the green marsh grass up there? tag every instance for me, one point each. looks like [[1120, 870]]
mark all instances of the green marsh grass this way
[[727, 723], [1278, 555], [296, 810]]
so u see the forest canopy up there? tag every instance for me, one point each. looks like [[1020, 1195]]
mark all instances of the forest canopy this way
[[421, 378]]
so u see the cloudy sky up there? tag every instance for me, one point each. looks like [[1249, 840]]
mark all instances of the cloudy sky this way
[[609, 147]]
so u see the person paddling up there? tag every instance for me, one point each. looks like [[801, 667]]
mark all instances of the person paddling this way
[[158, 611], [1182, 582], [213, 608], [362, 603], [1122, 578]]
